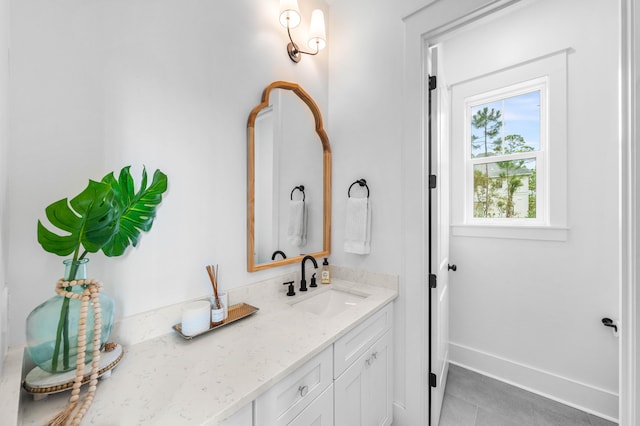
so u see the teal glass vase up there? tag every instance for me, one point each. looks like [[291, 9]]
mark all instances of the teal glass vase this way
[[52, 327]]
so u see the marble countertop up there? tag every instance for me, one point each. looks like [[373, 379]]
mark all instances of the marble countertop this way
[[165, 379]]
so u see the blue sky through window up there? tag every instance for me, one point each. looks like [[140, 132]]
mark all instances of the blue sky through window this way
[[520, 116]]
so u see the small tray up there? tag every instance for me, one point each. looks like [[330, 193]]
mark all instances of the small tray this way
[[40, 383], [236, 312]]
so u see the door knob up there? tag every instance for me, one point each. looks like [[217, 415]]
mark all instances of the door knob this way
[[452, 268]]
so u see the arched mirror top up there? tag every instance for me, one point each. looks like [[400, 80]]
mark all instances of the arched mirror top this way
[[275, 166], [304, 96]]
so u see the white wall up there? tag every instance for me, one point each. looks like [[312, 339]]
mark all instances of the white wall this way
[[4, 133], [168, 84], [366, 72], [365, 60], [529, 311], [365, 64]]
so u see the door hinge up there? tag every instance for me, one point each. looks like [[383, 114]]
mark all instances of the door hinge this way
[[433, 380], [432, 181], [433, 281], [432, 82]]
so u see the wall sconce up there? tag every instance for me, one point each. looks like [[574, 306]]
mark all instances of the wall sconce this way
[[290, 18]]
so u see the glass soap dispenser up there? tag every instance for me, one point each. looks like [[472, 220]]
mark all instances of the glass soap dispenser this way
[[325, 273]]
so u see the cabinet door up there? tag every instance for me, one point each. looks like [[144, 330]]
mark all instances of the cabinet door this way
[[349, 395], [363, 392], [318, 413], [379, 386]]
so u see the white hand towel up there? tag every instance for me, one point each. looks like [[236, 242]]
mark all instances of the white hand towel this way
[[297, 232], [358, 226]]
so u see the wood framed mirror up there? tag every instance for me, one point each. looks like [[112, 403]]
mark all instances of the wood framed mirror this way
[[288, 179]]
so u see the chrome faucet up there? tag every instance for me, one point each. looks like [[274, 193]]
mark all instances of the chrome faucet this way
[[303, 282]]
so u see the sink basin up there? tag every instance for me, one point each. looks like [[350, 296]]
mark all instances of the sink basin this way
[[329, 303]]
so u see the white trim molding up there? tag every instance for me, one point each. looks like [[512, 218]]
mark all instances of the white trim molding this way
[[543, 233], [591, 399], [630, 208]]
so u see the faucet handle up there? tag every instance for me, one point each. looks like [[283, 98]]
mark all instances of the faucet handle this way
[[290, 292], [313, 281]]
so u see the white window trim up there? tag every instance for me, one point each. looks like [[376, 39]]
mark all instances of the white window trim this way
[[551, 223], [539, 84]]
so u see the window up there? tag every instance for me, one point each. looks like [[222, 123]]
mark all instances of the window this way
[[509, 151], [505, 137]]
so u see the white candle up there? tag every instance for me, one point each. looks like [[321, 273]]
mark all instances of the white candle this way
[[196, 317]]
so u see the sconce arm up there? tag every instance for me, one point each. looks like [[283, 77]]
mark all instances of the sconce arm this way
[[294, 51]]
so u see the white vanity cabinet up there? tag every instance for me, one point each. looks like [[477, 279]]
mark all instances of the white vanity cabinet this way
[[363, 373], [347, 384], [286, 400]]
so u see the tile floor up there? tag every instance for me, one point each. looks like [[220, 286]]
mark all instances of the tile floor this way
[[472, 399]]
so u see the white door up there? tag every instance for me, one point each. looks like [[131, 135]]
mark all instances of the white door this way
[[439, 238]]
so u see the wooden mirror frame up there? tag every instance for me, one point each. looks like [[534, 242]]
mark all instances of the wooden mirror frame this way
[[326, 241]]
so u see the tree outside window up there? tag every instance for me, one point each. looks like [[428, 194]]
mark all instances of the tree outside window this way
[[505, 142]]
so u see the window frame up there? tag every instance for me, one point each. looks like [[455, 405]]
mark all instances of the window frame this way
[[553, 227], [538, 84]]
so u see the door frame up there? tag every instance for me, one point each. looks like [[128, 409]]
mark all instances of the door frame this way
[[629, 375], [422, 27]]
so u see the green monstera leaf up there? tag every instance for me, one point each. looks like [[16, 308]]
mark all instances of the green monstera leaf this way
[[137, 210], [108, 216], [90, 219]]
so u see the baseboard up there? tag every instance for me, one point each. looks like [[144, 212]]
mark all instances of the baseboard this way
[[579, 395]]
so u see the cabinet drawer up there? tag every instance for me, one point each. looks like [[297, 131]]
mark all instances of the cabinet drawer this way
[[319, 413], [287, 398], [349, 347]]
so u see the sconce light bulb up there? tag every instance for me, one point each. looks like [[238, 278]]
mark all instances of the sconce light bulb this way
[[317, 34], [289, 13]]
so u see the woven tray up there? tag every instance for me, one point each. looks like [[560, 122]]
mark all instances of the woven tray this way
[[39, 381], [236, 312]]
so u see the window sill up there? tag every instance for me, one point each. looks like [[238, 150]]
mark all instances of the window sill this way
[[543, 233]]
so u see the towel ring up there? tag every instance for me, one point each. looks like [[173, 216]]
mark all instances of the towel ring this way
[[299, 188], [360, 182]]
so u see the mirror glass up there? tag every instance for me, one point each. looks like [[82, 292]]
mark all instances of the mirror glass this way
[[289, 175]]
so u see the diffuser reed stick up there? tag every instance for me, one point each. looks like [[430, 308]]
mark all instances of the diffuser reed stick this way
[[213, 276]]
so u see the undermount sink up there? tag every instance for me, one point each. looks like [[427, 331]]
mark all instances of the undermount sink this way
[[329, 303]]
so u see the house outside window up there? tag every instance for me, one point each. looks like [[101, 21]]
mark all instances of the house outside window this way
[[506, 135]]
